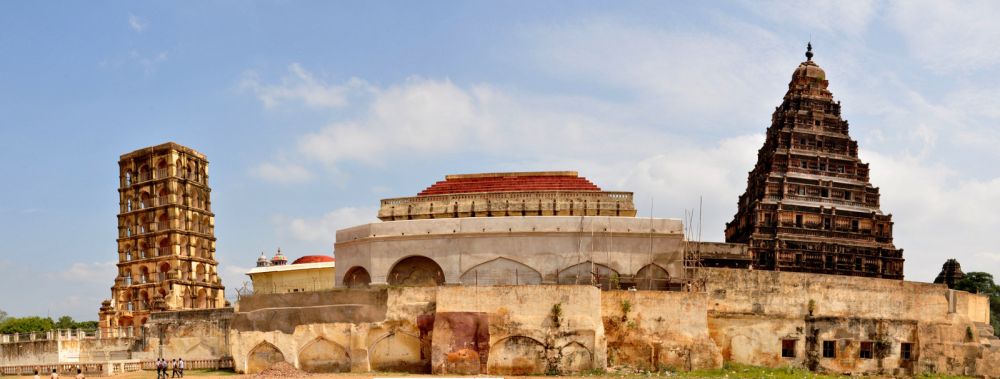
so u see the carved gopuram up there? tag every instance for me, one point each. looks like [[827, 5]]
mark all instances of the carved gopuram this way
[[166, 240], [809, 205]]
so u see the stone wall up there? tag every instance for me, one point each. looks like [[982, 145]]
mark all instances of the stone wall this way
[[751, 313], [539, 249], [656, 330], [190, 334]]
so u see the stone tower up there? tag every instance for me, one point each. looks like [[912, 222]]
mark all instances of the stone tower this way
[[809, 205], [166, 238]]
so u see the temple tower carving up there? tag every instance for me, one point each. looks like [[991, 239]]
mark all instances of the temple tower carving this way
[[166, 238], [809, 205]]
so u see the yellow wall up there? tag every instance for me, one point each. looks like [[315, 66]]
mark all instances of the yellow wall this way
[[314, 279]]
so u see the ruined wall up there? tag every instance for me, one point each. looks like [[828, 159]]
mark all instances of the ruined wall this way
[[189, 334], [64, 350], [334, 331], [657, 330], [750, 313], [29, 352], [531, 330]]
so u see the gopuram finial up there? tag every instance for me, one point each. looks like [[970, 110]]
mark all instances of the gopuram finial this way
[[809, 51]]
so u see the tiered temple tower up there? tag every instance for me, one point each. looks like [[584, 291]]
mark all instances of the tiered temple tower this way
[[166, 239], [809, 205]]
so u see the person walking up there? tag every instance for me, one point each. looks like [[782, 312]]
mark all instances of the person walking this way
[[173, 369], [36, 375], [79, 374], [55, 375], [180, 363], [159, 368]]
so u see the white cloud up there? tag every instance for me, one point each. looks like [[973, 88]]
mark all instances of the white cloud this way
[[284, 173], [951, 37], [137, 24], [849, 18], [148, 62], [324, 229], [302, 86], [89, 272]]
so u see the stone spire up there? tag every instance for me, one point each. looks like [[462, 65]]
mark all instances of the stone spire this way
[[809, 205]]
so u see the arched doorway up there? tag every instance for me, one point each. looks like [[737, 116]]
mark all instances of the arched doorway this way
[[587, 273], [416, 271], [323, 355], [357, 277]]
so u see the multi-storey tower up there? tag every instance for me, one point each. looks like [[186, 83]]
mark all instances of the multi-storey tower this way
[[809, 205], [166, 240]]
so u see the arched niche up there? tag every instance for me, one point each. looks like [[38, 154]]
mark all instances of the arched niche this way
[[357, 277], [262, 357], [516, 355], [652, 277], [324, 356], [501, 271], [584, 273], [398, 352], [416, 271], [574, 357]]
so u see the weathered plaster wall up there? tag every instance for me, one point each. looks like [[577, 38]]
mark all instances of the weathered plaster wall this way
[[190, 334], [751, 312], [339, 330], [527, 335], [543, 245], [660, 330]]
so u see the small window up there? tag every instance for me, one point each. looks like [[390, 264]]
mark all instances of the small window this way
[[829, 349], [817, 122], [826, 223], [798, 221], [847, 195], [854, 225], [906, 351], [788, 348], [822, 166], [825, 192], [804, 164], [866, 350]]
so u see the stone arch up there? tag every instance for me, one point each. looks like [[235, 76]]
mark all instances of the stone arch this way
[[580, 273], [357, 277], [501, 271], [652, 277], [574, 357], [263, 356], [398, 352], [416, 271], [516, 355], [202, 301], [322, 355]]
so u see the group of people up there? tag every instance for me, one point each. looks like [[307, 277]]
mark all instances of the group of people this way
[[176, 366], [55, 374]]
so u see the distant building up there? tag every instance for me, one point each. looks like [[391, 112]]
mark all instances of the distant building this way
[[166, 238], [308, 273], [809, 205], [951, 273]]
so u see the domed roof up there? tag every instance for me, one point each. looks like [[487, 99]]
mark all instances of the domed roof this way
[[809, 69], [314, 259], [279, 259], [510, 182]]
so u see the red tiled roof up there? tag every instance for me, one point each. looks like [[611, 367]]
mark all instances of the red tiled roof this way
[[313, 259], [510, 182]]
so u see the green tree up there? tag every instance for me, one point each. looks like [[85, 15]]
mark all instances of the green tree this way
[[982, 283], [65, 322], [26, 325]]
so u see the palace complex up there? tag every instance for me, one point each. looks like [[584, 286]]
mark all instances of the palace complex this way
[[166, 238], [519, 273], [809, 205]]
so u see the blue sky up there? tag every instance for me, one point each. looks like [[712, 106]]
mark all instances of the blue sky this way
[[310, 112]]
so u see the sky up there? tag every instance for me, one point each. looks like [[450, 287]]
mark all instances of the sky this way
[[310, 112]]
